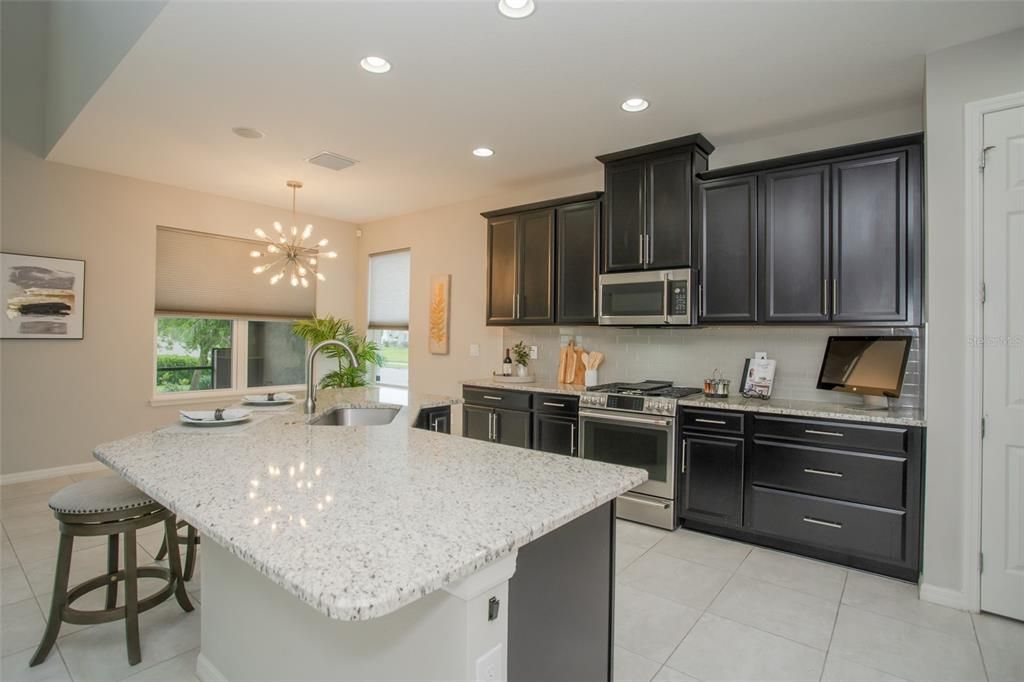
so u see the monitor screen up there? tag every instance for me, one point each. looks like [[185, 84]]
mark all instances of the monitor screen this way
[[869, 365]]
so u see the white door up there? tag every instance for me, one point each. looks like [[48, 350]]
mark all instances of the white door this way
[[1002, 528]]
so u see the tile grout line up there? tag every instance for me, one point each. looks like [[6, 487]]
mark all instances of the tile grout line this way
[[835, 621], [981, 652]]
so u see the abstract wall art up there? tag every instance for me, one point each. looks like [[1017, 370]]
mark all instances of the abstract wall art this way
[[440, 286], [44, 298]]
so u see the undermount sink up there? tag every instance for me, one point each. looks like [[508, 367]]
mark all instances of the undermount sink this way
[[356, 416]]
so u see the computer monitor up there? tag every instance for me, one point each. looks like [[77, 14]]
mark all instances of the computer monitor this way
[[869, 366]]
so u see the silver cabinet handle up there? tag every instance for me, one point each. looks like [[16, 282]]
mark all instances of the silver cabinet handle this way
[[820, 472], [835, 296], [819, 522], [824, 433], [824, 294], [494, 415], [572, 439], [433, 426], [700, 298], [643, 248], [650, 255], [554, 404], [710, 421], [682, 465], [493, 397], [490, 426]]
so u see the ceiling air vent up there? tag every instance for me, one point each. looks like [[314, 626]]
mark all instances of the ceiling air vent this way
[[331, 160]]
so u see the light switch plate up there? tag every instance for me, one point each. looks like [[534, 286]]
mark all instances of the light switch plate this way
[[533, 352], [474, 350]]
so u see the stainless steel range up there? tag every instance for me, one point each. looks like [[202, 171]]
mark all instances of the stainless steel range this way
[[635, 425]]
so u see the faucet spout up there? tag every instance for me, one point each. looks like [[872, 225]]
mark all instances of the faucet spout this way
[[309, 407]]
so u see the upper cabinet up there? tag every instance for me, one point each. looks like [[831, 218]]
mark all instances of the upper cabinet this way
[[649, 204], [727, 291], [838, 237], [542, 262]]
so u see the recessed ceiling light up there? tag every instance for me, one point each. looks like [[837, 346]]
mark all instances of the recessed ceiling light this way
[[634, 104], [516, 9], [375, 64], [483, 152], [248, 133]]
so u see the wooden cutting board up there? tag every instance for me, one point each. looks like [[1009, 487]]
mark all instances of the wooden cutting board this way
[[570, 365]]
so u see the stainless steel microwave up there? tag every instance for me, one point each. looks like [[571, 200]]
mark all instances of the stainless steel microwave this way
[[651, 297]]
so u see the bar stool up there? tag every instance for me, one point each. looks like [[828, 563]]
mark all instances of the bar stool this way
[[190, 539], [109, 506]]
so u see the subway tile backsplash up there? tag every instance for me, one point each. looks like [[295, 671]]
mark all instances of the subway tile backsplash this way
[[686, 356]]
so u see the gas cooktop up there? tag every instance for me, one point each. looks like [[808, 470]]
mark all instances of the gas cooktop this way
[[651, 396], [650, 387]]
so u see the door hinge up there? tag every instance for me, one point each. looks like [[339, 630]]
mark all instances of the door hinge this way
[[983, 156], [984, 293], [981, 562], [982, 427]]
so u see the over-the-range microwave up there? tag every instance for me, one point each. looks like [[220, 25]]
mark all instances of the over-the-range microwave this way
[[648, 298]]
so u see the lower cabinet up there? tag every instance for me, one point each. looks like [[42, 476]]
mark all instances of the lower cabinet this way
[[541, 421], [437, 419], [713, 479], [842, 491]]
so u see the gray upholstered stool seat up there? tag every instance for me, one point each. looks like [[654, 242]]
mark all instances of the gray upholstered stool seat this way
[[99, 495], [112, 507]]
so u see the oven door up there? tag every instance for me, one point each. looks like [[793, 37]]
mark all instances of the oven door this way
[[641, 441]]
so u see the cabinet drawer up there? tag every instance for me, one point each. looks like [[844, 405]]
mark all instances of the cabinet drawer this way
[[830, 524], [509, 400], [852, 476], [833, 434], [707, 420], [556, 403]]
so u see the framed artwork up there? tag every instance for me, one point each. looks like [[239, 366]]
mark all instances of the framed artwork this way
[[440, 291], [44, 298]]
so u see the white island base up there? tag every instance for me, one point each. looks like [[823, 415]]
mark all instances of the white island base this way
[[252, 629]]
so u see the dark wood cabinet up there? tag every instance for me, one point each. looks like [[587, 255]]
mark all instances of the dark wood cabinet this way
[[542, 262], [476, 422], [839, 237], [555, 434], [576, 243], [794, 219], [512, 427], [649, 204], [437, 419], [728, 250], [623, 234], [713, 479], [869, 253]]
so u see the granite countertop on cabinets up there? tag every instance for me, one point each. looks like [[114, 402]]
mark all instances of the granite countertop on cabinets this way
[[808, 408], [358, 521], [532, 387]]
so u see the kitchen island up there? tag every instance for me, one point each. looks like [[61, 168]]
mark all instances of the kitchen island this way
[[385, 552]]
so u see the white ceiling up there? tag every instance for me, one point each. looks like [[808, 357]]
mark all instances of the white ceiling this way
[[544, 92]]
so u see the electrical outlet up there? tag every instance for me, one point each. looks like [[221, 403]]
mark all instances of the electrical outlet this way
[[490, 667], [474, 350], [533, 352]]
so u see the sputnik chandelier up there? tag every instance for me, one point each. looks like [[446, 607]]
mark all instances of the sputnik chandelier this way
[[287, 253]]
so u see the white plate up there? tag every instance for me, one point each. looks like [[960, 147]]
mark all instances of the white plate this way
[[262, 399], [207, 418]]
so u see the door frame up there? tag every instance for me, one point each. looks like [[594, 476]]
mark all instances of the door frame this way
[[974, 219]]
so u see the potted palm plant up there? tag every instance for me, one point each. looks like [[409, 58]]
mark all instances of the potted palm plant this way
[[317, 329]]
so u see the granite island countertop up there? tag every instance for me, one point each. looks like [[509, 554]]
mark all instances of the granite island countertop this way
[[780, 406], [358, 521]]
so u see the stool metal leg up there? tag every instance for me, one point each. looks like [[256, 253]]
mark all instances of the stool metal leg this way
[[190, 553], [57, 603], [174, 560], [162, 552], [112, 541], [131, 598]]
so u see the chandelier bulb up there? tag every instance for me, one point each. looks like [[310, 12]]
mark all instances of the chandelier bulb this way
[[272, 248], [278, 226], [302, 271], [306, 232], [305, 283], [260, 233], [255, 254], [321, 277], [295, 281], [312, 261], [283, 240], [322, 242], [331, 254], [295, 230], [258, 270]]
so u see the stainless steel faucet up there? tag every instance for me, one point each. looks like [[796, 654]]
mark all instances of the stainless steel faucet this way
[[310, 404]]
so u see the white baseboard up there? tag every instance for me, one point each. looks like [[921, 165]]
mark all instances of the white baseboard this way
[[38, 474], [943, 596], [206, 671]]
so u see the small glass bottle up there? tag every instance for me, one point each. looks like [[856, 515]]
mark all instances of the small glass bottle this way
[[506, 366]]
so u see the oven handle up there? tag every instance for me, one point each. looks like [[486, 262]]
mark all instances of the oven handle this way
[[625, 418], [640, 500]]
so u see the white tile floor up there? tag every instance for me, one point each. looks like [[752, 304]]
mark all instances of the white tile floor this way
[[688, 607]]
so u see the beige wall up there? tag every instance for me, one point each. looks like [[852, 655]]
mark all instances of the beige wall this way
[[954, 76], [61, 398]]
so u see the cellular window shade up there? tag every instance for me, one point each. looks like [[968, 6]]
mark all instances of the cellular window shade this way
[[198, 272], [389, 290]]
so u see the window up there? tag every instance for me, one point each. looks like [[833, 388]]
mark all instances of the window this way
[[388, 308], [195, 354]]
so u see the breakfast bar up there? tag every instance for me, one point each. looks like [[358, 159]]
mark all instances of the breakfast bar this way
[[387, 552]]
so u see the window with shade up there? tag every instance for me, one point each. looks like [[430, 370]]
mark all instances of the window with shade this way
[[220, 328], [388, 314]]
